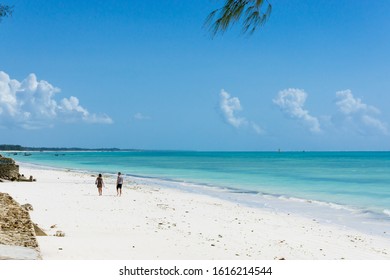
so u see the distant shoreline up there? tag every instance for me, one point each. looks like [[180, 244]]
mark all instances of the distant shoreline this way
[[19, 148]]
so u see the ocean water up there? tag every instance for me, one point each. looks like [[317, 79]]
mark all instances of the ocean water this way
[[349, 189]]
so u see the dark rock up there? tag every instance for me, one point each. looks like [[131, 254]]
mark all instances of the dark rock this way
[[27, 207], [8, 169]]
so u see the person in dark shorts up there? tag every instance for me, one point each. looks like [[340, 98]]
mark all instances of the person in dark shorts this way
[[119, 183], [99, 183]]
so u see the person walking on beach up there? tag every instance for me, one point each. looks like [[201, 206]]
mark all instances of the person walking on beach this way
[[99, 183], [119, 183]]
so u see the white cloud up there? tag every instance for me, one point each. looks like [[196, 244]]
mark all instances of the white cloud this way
[[256, 128], [229, 107], [101, 118], [375, 123], [72, 107], [358, 114], [141, 117], [8, 101], [291, 101], [31, 104], [348, 104]]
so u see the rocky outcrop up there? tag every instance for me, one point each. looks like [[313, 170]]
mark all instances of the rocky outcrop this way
[[17, 232], [16, 227], [8, 169]]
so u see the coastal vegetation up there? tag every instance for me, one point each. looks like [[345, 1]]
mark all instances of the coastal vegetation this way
[[8, 147]]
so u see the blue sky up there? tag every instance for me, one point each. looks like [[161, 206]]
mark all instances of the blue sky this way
[[147, 75]]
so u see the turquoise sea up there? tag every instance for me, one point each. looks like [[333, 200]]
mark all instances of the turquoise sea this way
[[349, 189]]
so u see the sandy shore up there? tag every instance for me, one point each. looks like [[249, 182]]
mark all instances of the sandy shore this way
[[156, 223]]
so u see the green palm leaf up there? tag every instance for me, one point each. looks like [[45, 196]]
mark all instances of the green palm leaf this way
[[252, 13], [5, 11]]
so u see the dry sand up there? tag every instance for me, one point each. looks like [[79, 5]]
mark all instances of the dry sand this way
[[156, 223]]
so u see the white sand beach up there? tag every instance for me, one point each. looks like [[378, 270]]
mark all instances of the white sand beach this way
[[150, 223]]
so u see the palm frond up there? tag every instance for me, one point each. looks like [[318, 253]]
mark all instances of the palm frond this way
[[233, 11], [5, 11]]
